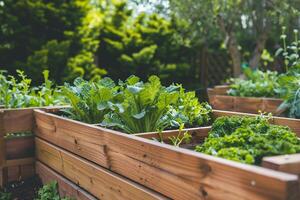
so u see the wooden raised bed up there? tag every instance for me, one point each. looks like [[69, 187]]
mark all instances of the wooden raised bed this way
[[16, 154], [174, 172], [219, 100]]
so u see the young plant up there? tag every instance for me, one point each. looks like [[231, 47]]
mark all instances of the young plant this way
[[49, 192], [16, 93], [185, 137], [248, 139], [257, 84], [89, 101]]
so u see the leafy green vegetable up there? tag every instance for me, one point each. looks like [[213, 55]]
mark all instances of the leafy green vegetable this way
[[19, 94], [149, 106], [290, 92], [248, 139], [144, 106], [90, 101], [49, 192], [5, 196], [257, 84]]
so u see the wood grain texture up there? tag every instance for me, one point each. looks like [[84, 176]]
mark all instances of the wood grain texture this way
[[11, 121], [293, 124], [100, 182], [175, 172], [219, 100], [66, 188], [284, 163]]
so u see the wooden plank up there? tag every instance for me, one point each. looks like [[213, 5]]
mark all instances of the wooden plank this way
[[65, 187], [293, 124], [284, 163], [175, 172], [18, 162], [98, 181], [3, 170], [23, 117], [196, 133], [221, 101], [20, 147]]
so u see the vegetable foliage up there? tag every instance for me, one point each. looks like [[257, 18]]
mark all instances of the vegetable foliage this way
[[90, 101], [248, 139], [16, 93], [49, 192], [149, 106], [257, 84]]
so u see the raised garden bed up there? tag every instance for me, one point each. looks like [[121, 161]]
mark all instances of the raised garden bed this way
[[17, 153], [219, 100], [176, 173]]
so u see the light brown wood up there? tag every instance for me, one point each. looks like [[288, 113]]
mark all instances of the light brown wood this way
[[100, 182], [65, 187], [12, 121], [174, 172], [219, 100], [285, 163], [293, 124], [196, 133]]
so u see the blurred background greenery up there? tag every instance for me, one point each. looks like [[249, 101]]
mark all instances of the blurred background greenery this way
[[197, 43]]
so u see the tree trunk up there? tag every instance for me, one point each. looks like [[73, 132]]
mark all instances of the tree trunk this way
[[260, 45], [235, 54], [232, 45]]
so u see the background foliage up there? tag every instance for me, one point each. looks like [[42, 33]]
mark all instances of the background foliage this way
[[181, 41]]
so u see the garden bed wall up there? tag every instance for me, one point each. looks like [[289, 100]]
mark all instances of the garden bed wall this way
[[174, 172], [17, 153], [219, 100]]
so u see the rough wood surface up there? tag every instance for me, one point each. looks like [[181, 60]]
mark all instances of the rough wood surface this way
[[221, 101], [100, 182], [293, 124], [12, 121], [65, 187], [285, 163], [175, 172]]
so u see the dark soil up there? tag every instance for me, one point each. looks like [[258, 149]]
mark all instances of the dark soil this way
[[24, 190]]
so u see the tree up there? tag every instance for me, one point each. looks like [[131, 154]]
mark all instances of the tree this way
[[39, 34], [237, 21], [144, 44]]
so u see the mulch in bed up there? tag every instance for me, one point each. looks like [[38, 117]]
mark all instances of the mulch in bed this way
[[24, 190]]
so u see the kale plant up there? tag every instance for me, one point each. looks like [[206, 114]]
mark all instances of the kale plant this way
[[248, 139]]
